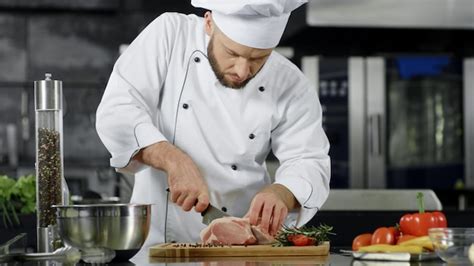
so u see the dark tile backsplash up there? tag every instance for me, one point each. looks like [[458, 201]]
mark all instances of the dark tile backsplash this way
[[10, 99], [75, 48], [13, 51], [81, 139], [78, 43]]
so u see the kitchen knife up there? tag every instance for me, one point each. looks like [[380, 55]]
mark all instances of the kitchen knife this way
[[212, 213]]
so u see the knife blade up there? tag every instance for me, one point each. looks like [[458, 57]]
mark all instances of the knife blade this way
[[212, 213]]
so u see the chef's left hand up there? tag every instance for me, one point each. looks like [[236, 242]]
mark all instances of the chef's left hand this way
[[270, 207]]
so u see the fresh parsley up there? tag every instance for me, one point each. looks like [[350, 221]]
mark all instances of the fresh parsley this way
[[16, 195]]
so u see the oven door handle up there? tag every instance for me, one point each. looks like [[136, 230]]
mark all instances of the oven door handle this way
[[375, 135]]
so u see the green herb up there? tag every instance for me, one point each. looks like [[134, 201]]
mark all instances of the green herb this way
[[26, 193], [318, 233], [16, 195], [7, 188]]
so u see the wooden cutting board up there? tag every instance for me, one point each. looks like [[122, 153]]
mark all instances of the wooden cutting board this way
[[173, 250]]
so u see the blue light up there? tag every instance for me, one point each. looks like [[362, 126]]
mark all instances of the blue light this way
[[410, 66]]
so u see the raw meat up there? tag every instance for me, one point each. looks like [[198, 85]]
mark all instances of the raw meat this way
[[228, 230], [262, 237], [236, 231]]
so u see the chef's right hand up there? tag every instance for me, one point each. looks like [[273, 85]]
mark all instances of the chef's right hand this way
[[186, 184]]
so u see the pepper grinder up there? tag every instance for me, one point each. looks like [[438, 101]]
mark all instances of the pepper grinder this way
[[51, 187]]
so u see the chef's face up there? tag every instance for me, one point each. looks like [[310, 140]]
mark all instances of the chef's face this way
[[234, 64]]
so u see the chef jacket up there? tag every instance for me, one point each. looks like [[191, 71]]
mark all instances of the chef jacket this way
[[162, 88]]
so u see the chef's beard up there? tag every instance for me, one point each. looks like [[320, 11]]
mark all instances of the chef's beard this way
[[218, 72]]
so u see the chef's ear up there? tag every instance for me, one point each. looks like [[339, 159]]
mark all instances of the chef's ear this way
[[208, 23]]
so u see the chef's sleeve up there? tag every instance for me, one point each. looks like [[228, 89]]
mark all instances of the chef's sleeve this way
[[127, 117], [301, 146]]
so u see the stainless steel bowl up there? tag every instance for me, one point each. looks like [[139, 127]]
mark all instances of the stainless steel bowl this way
[[120, 227]]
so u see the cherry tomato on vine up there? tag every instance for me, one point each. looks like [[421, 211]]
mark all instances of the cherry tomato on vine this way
[[302, 240], [361, 240], [385, 235]]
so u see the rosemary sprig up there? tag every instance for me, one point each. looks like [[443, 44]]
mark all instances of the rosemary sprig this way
[[318, 233]]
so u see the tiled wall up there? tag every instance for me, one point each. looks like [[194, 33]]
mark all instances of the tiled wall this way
[[78, 42]]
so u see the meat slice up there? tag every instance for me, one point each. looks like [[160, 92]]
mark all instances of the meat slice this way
[[234, 231], [228, 230], [262, 237]]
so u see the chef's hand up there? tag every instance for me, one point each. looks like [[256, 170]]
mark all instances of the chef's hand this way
[[186, 184], [270, 207]]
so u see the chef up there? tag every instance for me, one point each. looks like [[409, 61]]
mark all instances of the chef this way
[[194, 106]]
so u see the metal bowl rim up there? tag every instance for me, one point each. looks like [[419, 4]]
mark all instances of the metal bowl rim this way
[[102, 210], [102, 205]]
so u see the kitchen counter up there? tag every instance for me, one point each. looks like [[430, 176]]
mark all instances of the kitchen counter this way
[[332, 259], [359, 222]]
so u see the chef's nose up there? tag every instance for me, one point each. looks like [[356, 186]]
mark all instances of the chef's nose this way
[[242, 68]]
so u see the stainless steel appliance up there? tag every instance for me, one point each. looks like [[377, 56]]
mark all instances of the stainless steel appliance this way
[[397, 121]]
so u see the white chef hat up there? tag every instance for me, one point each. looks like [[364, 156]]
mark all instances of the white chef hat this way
[[254, 23]]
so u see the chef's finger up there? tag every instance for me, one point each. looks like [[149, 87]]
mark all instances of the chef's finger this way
[[175, 195], [281, 219], [181, 199], [202, 203], [188, 203], [255, 210], [274, 225], [266, 216]]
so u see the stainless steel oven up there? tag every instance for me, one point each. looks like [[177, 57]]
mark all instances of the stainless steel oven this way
[[397, 121]]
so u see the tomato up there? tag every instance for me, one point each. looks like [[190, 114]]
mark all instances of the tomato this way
[[404, 238], [361, 240], [384, 235], [301, 240], [290, 237]]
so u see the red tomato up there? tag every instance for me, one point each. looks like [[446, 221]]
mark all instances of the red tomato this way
[[290, 237], [302, 240], [361, 240], [384, 235], [404, 238]]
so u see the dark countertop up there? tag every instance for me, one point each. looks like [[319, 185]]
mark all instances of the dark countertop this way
[[332, 259], [347, 224]]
